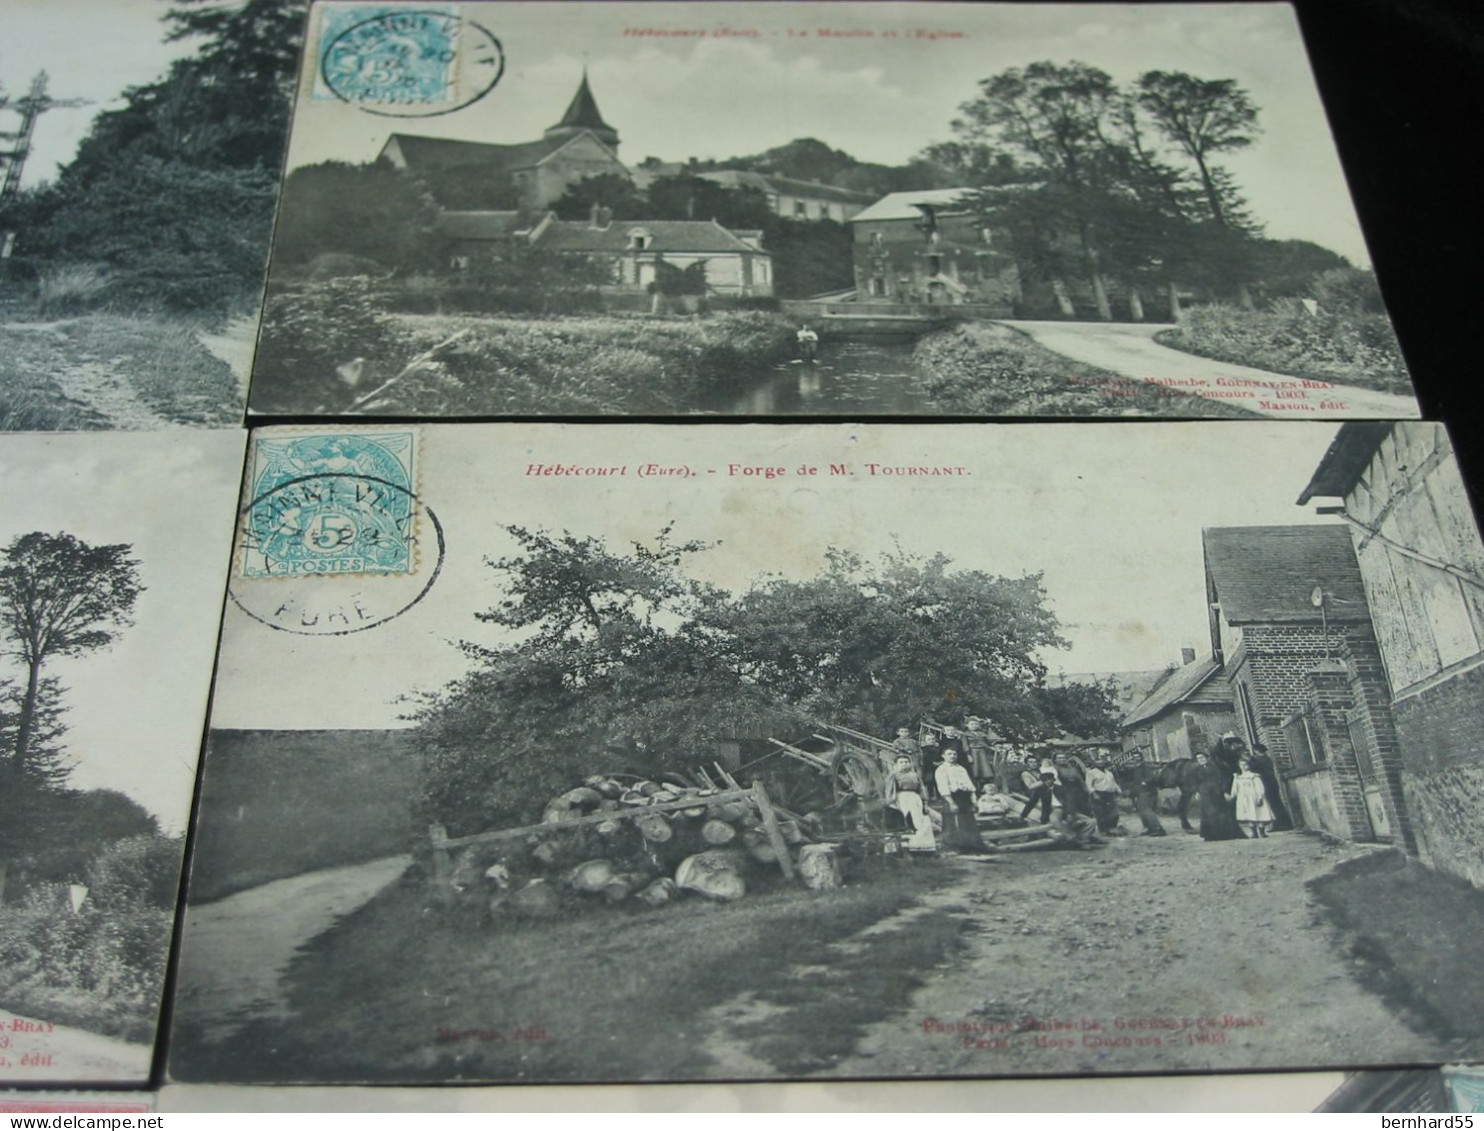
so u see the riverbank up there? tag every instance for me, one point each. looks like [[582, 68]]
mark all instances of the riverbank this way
[[987, 369], [478, 365]]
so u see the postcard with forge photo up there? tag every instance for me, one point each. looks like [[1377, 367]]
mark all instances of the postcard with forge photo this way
[[113, 556], [847, 210], [556, 753], [141, 145]]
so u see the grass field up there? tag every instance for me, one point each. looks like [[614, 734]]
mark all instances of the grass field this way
[[399, 993], [982, 368], [112, 371]]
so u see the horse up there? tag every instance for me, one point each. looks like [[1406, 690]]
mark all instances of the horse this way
[[1183, 774]]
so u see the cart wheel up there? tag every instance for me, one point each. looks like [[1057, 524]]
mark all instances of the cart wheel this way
[[856, 778]]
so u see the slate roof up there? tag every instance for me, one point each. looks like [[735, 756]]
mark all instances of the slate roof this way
[[476, 225], [902, 205], [665, 235], [445, 153], [1348, 455], [1200, 682], [582, 111], [1265, 574]]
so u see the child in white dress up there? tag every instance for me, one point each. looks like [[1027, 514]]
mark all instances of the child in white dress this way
[[1254, 814]]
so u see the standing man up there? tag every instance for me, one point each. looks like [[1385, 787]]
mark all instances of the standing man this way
[[1105, 790], [808, 341], [960, 821]]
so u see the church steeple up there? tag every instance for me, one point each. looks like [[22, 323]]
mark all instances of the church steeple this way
[[582, 114]]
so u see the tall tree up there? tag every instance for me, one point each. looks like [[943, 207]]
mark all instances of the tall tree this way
[[1203, 117], [60, 596], [1061, 118]]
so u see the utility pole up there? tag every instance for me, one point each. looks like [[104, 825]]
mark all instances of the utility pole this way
[[15, 146]]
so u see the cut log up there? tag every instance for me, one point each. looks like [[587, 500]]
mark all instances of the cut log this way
[[655, 827], [592, 876], [759, 847], [717, 833], [609, 828], [819, 867], [716, 875], [581, 798], [658, 893], [537, 900]]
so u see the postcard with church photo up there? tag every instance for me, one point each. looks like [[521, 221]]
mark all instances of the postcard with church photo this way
[[113, 557], [840, 209], [840, 751], [141, 143]]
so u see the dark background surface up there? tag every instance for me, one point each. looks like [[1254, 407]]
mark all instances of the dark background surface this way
[[1401, 81]]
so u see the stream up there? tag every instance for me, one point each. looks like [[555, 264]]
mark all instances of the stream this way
[[873, 377]]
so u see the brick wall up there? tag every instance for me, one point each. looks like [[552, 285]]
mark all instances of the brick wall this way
[[1275, 662], [1443, 772]]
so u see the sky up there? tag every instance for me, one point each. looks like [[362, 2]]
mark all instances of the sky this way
[[1111, 513], [90, 49], [136, 709], [878, 98]]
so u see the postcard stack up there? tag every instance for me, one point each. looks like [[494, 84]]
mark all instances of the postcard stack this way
[[716, 542]]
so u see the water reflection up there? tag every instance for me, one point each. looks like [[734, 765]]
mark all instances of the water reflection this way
[[874, 377]]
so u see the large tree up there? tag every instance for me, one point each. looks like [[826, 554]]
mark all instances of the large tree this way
[[59, 597], [622, 662]]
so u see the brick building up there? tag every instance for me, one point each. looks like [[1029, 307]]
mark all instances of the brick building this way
[[1292, 631], [1422, 566], [927, 247]]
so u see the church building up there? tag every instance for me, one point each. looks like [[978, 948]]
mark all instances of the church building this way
[[581, 145]]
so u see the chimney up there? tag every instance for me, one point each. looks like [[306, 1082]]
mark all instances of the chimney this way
[[601, 217], [1187, 655]]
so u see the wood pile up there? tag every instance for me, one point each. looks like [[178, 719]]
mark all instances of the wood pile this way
[[640, 843]]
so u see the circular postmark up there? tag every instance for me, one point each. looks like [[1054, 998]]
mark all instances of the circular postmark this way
[[332, 553], [404, 63]]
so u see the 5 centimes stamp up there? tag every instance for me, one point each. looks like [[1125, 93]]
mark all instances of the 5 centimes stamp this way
[[404, 60], [332, 530], [338, 503]]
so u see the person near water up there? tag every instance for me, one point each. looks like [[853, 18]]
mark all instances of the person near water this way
[[808, 340], [904, 794], [1250, 798]]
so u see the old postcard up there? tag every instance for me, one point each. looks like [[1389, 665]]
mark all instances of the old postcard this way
[[844, 209], [113, 550], [141, 145], [555, 753]]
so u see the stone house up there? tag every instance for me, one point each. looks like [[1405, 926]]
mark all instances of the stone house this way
[[735, 263], [1422, 566], [1184, 713], [1292, 630], [579, 146], [928, 247]]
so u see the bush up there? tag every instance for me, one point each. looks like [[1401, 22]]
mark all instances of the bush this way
[[100, 969], [1341, 342], [69, 289], [313, 331], [138, 871]]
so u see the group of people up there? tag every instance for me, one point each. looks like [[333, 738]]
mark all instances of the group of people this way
[[1239, 792], [955, 772]]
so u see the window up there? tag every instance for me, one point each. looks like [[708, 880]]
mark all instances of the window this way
[[801, 210], [639, 239], [877, 239], [459, 263]]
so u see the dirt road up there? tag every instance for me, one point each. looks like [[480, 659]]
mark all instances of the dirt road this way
[[1129, 349], [235, 950], [1148, 955]]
